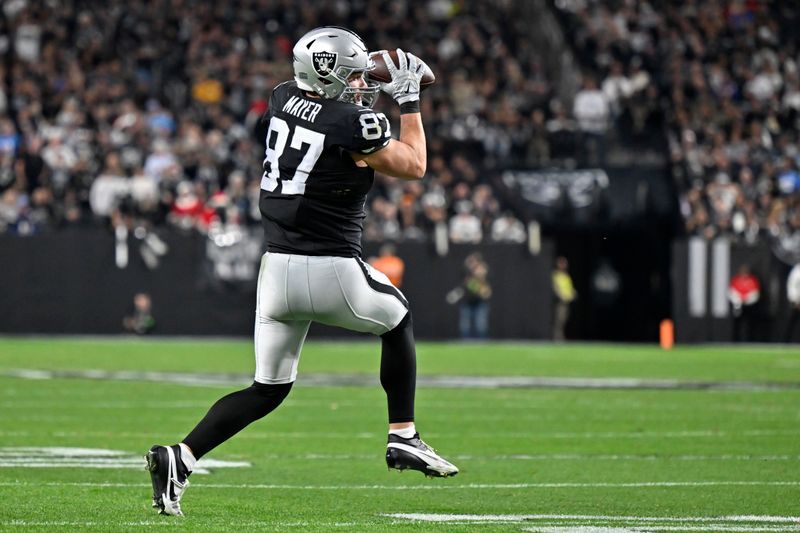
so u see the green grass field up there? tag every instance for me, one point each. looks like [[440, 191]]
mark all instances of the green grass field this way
[[532, 458]]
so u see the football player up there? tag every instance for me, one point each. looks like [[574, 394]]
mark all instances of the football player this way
[[323, 145]]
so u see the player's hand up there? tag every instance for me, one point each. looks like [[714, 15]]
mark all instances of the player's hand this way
[[406, 76]]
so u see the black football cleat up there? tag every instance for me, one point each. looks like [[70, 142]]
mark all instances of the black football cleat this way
[[169, 476], [414, 454]]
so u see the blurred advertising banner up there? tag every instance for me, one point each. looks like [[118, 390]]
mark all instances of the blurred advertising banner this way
[[563, 197]]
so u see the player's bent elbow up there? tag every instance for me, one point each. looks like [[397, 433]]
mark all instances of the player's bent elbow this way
[[418, 174], [413, 172], [413, 176]]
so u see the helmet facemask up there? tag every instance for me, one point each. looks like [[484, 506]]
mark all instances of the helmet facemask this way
[[363, 96], [366, 95]]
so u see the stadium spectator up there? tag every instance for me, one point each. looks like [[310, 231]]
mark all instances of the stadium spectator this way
[[487, 207], [793, 296], [9, 138], [564, 294], [744, 293], [162, 164], [384, 224], [10, 210], [145, 194], [537, 149], [109, 187], [187, 209], [410, 211], [434, 209], [465, 227], [140, 320], [617, 88], [473, 322], [561, 129], [61, 159], [591, 110], [390, 264]]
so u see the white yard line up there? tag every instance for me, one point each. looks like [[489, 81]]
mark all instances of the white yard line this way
[[545, 523], [555, 523], [447, 382], [469, 486], [268, 525], [536, 435], [271, 525], [23, 460], [444, 517], [625, 457], [66, 523], [77, 524], [543, 457], [690, 434], [651, 528], [64, 457]]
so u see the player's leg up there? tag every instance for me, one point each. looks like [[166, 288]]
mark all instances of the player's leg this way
[[278, 346], [405, 449], [277, 350], [351, 294], [360, 298], [399, 372]]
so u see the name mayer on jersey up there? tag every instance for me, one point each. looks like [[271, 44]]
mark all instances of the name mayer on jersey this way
[[312, 191], [302, 108]]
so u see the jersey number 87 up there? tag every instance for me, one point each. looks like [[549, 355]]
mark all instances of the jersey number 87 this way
[[313, 142]]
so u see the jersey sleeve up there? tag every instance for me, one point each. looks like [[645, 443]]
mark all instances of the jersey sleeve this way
[[369, 131]]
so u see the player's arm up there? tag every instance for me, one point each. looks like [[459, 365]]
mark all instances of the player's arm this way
[[405, 158]]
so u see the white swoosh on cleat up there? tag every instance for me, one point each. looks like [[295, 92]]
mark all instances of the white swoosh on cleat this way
[[434, 461]]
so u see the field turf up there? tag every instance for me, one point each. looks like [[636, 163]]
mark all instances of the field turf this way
[[709, 441]]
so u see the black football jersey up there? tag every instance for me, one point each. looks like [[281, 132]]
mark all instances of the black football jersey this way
[[312, 191]]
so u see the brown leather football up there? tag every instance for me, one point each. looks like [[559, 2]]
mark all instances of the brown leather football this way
[[381, 74]]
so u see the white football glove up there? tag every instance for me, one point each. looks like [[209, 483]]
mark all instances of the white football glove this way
[[406, 76]]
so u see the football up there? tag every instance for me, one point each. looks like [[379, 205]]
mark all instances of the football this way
[[381, 74]]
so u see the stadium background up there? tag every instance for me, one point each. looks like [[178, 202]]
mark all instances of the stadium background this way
[[128, 163], [659, 142]]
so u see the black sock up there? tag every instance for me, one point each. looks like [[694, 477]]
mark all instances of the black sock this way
[[399, 370], [232, 413]]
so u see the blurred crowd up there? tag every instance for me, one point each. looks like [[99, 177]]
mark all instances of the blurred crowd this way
[[733, 134], [726, 73], [141, 113]]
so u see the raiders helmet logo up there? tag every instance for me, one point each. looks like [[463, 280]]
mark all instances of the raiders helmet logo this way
[[324, 62]]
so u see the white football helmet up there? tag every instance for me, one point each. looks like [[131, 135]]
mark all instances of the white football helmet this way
[[326, 57]]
